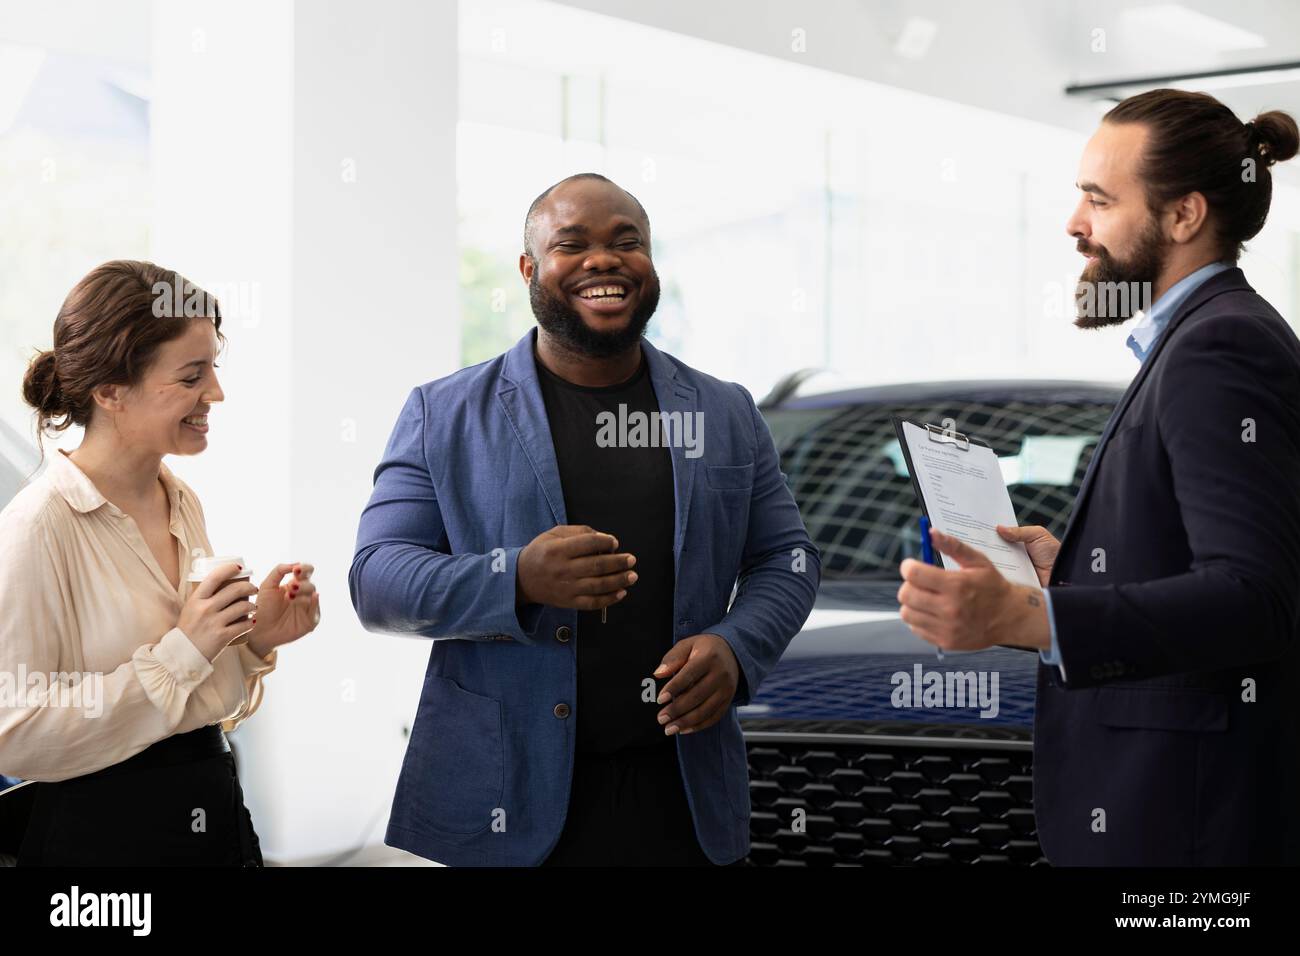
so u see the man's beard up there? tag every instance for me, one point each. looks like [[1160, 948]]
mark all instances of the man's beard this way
[[567, 327], [1110, 290]]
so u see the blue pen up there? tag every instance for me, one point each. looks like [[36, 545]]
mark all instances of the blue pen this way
[[927, 555]]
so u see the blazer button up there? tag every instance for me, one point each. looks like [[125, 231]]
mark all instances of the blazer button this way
[[561, 710], [1095, 671], [562, 633]]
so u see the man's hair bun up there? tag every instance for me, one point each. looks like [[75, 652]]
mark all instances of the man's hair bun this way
[[1277, 136]]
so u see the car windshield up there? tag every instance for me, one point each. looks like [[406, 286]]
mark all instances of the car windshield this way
[[847, 472]]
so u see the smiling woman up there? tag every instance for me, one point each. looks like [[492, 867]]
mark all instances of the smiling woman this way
[[94, 580], [108, 332]]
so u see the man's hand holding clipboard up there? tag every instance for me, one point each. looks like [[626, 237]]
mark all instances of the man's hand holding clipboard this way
[[979, 602]]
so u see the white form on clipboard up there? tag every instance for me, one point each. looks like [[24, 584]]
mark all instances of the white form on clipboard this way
[[962, 492]]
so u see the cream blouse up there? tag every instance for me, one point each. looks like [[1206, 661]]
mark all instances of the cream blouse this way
[[82, 594]]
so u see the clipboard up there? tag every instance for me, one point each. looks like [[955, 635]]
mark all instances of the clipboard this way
[[949, 437]]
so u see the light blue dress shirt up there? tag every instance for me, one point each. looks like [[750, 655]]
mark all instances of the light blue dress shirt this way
[[1141, 341]]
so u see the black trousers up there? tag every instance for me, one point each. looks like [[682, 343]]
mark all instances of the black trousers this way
[[176, 803], [628, 809]]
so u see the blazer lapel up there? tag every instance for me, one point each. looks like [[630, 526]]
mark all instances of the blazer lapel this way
[[1227, 281], [675, 396], [521, 400]]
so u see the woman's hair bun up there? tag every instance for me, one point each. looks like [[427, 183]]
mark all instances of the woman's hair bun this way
[[41, 388], [1277, 136]]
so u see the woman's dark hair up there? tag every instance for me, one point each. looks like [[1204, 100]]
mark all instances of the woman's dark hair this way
[[107, 332], [1196, 144]]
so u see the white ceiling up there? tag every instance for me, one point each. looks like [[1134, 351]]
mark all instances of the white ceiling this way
[[1013, 56]]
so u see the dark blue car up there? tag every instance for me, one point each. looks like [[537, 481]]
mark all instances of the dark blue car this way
[[864, 746]]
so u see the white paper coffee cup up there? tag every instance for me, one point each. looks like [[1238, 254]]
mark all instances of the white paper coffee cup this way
[[201, 567]]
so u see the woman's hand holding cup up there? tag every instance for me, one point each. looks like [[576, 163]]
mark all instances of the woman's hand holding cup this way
[[218, 611]]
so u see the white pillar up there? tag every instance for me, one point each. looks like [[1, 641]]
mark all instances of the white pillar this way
[[304, 165]]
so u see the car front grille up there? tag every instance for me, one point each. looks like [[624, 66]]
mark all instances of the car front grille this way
[[874, 798]]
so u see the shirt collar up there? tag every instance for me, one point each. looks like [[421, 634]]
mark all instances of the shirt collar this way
[[1153, 323], [80, 492]]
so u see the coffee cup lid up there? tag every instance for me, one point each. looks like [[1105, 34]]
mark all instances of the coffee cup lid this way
[[201, 566]]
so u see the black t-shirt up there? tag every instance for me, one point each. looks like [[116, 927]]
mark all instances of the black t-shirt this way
[[625, 490]]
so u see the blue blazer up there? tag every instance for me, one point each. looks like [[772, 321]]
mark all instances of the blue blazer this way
[[468, 478], [1175, 738]]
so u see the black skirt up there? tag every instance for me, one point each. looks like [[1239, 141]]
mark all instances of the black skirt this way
[[176, 803]]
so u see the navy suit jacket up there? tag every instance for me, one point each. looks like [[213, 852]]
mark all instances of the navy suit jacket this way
[[1175, 739], [468, 478]]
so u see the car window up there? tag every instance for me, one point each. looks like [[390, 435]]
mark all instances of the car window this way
[[848, 477]]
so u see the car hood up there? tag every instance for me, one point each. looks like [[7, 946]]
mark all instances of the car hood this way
[[847, 662]]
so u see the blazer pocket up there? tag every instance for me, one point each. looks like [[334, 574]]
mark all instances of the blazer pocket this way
[[730, 477], [1187, 709], [454, 772]]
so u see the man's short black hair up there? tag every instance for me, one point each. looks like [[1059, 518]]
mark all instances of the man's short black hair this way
[[530, 220]]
